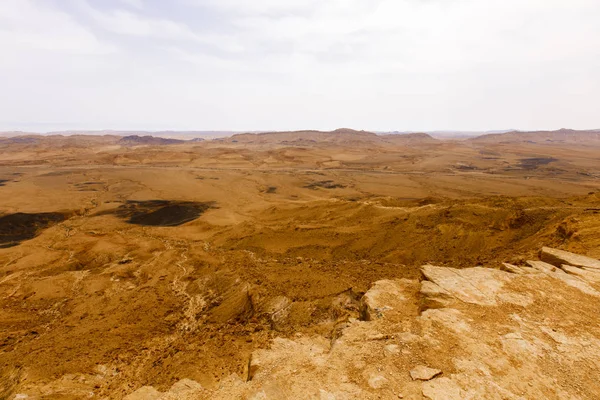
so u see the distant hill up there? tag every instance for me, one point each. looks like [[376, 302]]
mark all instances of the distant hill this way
[[448, 134], [82, 141], [169, 134], [410, 139], [569, 136], [25, 139], [15, 133], [59, 141], [135, 140], [339, 137], [342, 136]]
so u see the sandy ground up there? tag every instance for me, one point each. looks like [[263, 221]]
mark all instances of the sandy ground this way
[[150, 264]]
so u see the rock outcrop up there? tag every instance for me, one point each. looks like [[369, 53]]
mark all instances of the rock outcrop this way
[[559, 257], [520, 332]]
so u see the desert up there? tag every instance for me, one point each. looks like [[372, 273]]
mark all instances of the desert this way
[[310, 264], [299, 200]]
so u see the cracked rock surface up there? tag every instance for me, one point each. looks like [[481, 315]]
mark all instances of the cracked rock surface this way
[[493, 335]]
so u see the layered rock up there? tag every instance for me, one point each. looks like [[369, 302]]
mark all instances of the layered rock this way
[[559, 257], [476, 333], [523, 332]]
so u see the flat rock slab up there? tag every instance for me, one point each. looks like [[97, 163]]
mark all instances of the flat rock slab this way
[[472, 285], [559, 257], [423, 373], [589, 275], [545, 267], [513, 269], [569, 279]]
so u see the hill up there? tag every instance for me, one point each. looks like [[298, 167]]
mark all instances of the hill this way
[[336, 137], [561, 136], [135, 140]]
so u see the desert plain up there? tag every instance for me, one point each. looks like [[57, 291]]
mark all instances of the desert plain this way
[[133, 263]]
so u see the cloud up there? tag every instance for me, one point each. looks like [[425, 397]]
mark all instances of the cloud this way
[[135, 24], [238, 7], [138, 4], [24, 25], [128, 23], [271, 64]]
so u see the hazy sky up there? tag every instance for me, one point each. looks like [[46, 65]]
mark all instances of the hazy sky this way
[[276, 64]]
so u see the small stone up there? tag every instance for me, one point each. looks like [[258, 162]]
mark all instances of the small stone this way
[[424, 373], [392, 349], [377, 381]]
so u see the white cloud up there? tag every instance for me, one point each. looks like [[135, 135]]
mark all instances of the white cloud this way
[[273, 64], [428, 33], [139, 4], [24, 25], [255, 7], [134, 24], [128, 23]]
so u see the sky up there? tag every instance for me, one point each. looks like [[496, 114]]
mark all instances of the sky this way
[[382, 65]]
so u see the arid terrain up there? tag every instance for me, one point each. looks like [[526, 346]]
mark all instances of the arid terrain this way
[[132, 264]]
